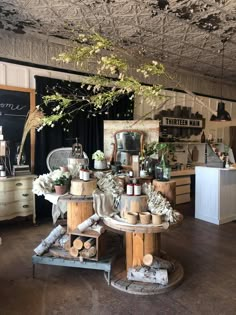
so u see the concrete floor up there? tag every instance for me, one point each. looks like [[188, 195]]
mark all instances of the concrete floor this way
[[206, 251]]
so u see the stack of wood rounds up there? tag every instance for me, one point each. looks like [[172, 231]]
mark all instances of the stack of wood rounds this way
[[83, 188]]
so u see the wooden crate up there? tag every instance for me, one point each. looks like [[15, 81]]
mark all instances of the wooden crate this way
[[100, 242]]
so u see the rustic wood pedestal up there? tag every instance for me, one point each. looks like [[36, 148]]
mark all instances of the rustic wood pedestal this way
[[141, 240], [79, 208], [168, 190]]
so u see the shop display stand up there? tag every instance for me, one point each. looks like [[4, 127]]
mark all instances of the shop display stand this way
[[104, 264], [141, 240]]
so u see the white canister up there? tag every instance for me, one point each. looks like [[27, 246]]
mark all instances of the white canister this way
[[1, 167], [86, 175], [2, 173], [137, 189], [81, 173], [130, 189]]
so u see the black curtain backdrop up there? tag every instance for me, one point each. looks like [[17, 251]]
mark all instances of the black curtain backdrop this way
[[88, 130]]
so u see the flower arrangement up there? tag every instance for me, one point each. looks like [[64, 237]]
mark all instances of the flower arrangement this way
[[98, 156], [45, 183], [60, 178]]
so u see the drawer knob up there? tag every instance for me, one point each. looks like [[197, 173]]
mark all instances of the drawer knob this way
[[19, 184], [25, 195], [25, 206]]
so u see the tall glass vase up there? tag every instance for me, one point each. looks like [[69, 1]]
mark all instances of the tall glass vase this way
[[162, 170], [148, 166], [22, 159]]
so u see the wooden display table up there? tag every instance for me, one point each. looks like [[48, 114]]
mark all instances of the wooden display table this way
[[47, 259], [141, 240]]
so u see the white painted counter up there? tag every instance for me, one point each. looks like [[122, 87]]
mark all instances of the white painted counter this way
[[215, 194]]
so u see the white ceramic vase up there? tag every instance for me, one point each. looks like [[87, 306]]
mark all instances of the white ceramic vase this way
[[100, 165]]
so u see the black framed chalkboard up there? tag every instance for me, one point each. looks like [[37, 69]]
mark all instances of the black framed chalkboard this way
[[15, 103]]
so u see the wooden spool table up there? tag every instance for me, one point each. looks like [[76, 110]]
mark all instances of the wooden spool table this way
[[141, 240]]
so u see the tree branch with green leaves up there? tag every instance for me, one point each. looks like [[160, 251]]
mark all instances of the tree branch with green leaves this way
[[111, 82]]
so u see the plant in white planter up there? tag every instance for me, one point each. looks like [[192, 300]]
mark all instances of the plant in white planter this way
[[100, 162]]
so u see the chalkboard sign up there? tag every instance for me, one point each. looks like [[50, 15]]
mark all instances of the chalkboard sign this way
[[15, 103]]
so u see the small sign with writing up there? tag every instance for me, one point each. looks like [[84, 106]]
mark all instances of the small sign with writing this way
[[182, 122], [14, 103]]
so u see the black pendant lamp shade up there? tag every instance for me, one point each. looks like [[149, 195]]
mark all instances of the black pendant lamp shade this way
[[222, 114]]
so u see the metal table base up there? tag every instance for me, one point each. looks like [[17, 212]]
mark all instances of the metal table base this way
[[104, 264]]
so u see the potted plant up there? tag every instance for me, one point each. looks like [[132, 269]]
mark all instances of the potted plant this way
[[60, 180], [100, 162]]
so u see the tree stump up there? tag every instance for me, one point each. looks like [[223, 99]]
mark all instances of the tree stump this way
[[168, 190], [133, 204], [78, 212], [83, 188]]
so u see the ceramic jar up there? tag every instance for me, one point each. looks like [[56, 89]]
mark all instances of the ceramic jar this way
[[132, 217], [156, 219], [145, 217]]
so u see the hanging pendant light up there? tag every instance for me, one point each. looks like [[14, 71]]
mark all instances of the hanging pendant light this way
[[222, 114]]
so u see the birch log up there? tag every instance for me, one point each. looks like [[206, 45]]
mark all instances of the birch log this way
[[146, 274], [157, 262], [88, 222], [74, 252], [51, 238], [97, 227], [79, 242], [64, 242], [88, 253], [89, 243]]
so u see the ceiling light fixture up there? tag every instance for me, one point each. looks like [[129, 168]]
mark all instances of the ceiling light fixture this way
[[222, 114]]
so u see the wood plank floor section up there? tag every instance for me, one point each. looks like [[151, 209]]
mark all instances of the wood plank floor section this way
[[207, 253]]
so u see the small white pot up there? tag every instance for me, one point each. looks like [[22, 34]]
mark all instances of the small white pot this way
[[100, 165]]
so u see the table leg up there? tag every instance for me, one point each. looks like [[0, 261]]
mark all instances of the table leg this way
[[33, 270], [140, 244]]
